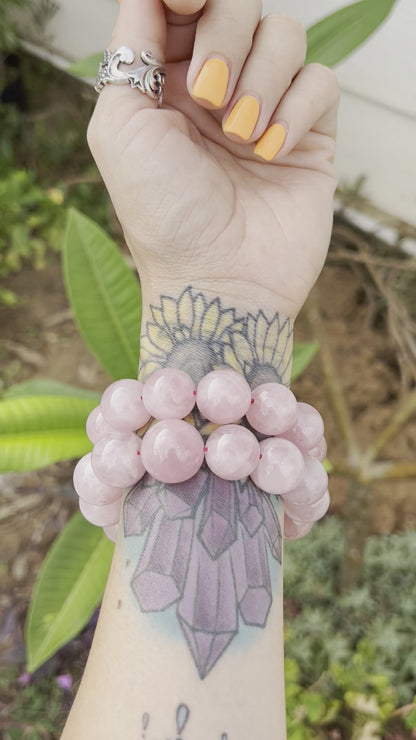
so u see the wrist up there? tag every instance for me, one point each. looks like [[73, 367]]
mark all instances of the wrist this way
[[198, 330]]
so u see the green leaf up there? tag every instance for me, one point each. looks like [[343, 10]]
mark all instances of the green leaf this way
[[410, 719], [303, 354], [104, 296], [336, 36], [36, 431], [46, 387], [328, 465], [68, 589], [87, 67]]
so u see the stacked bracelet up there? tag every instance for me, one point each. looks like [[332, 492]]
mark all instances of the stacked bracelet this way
[[288, 462]]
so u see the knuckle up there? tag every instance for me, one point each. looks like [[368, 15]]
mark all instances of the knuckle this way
[[291, 26], [97, 134], [235, 28], [245, 20], [91, 133], [326, 78], [257, 8]]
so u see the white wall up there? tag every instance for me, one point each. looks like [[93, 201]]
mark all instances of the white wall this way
[[377, 123], [377, 119]]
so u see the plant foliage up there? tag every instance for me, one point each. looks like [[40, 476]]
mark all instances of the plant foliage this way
[[68, 589], [36, 431], [339, 34], [104, 296], [328, 628], [35, 711], [48, 387], [31, 222], [303, 354]]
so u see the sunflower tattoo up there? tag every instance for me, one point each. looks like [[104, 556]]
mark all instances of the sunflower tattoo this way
[[198, 335]]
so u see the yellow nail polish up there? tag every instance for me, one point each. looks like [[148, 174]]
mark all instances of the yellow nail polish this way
[[271, 142], [243, 117], [212, 82]]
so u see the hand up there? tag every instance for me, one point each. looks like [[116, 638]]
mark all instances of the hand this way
[[202, 206]]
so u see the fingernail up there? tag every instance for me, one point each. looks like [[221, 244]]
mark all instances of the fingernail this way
[[243, 117], [212, 82], [271, 142]]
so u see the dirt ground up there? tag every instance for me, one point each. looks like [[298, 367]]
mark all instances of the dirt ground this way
[[40, 339]]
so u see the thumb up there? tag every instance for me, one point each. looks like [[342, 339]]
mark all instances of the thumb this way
[[185, 7], [141, 25]]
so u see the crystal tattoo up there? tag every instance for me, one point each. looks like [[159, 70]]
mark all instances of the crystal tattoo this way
[[209, 543]]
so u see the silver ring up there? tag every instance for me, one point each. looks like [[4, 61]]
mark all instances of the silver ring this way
[[149, 78]]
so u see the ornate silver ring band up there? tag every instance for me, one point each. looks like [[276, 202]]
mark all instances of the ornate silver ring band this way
[[148, 78]]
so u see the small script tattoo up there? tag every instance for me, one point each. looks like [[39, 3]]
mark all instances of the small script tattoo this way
[[182, 716], [209, 542]]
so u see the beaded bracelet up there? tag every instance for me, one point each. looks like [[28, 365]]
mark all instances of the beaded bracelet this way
[[287, 463]]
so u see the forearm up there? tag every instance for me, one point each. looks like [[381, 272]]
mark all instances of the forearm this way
[[189, 641]]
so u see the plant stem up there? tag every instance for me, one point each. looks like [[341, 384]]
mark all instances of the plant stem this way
[[381, 471], [394, 470], [357, 526], [334, 388], [402, 415]]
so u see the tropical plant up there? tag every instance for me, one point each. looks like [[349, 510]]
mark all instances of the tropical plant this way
[[43, 422]]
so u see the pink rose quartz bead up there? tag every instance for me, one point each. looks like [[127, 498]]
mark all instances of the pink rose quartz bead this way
[[89, 487], [232, 452], [169, 394], [117, 461], [122, 405], [111, 532], [101, 516], [273, 408], [280, 468], [308, 513], [308, 429], [223, 396], [295, 530], [319, 451], [172, 451], [97, 427], [313, 485]]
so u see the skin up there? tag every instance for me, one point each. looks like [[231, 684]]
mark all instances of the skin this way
[[202, 213], [197, 192]]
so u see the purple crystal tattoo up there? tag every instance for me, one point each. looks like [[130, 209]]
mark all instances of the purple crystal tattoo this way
[[208, 558], [209, 543]]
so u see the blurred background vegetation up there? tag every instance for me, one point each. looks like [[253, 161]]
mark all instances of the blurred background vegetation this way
[[350, 588]]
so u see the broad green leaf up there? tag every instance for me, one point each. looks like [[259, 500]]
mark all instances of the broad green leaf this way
[[303, 354], [104, 296], [46, 387], [36, 431], [68, 589], [336, 36], [87, 67]]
